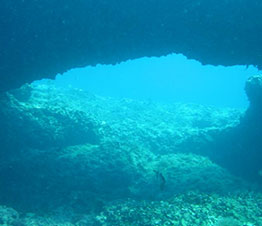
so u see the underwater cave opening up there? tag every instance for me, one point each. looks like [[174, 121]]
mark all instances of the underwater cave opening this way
[[69, 151], [172, 78]]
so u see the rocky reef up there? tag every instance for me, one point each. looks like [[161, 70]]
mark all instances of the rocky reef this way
[[41, 39], [191, 208], [240, 148], [69, 140], [70, 157]]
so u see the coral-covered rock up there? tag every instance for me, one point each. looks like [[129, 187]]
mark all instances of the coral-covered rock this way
[[189, 208], [9, 216], [81, 150], [179, 173], [40, 120]]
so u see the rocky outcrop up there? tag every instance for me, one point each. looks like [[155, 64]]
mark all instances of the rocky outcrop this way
[[42, 38], [189, 208], [254, 93], [73, 154], [69, 147], [250, 128], [239, 148], [42, 126]]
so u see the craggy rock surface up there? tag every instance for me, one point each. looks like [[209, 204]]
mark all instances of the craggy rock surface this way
[[69, 157], [77, 148], [240, 148], [42, 38], [190, 208]]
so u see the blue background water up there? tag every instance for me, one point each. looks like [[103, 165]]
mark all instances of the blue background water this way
[[173, 78]]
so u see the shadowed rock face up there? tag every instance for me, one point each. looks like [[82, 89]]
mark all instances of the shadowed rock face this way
[[42, 38], [239, 149], [254, 92]]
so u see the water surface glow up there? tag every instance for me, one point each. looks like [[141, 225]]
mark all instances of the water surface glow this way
[[172, 78]]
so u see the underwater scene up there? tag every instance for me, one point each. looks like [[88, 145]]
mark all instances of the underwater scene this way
[[130, 113]]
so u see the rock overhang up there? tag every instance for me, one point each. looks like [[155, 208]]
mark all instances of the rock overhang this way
[[40, 39]]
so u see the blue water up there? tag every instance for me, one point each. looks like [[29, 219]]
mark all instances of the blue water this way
[[172, 78], [188, 154]]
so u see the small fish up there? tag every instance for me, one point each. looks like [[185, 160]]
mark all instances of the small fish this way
[[260, 173], [161, 178]]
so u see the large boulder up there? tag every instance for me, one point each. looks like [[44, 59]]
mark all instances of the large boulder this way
[[239, 148]]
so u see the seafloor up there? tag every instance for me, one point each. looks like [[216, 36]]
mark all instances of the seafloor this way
[[69, 157]]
